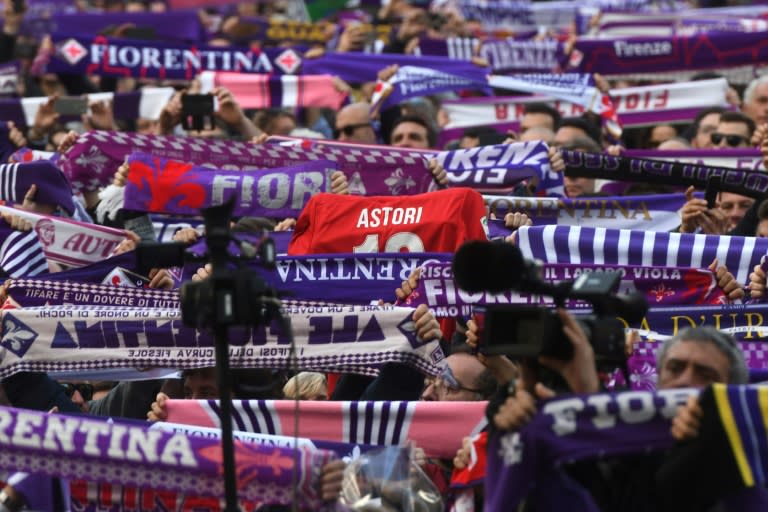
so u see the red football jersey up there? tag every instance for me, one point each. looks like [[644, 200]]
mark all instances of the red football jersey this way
[[433, 222]]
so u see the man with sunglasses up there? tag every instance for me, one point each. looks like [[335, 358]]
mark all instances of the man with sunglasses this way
[[353, 124], [733, 131]]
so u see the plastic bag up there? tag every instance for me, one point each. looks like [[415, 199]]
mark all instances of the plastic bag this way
[[389, 480]]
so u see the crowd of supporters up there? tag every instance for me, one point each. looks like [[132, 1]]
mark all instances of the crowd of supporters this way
[[516, 390]]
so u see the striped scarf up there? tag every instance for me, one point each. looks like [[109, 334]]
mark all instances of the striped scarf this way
[[21, 253], [433, 426], [573, 244]]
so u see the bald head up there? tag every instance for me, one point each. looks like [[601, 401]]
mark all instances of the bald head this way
[[353, 124]]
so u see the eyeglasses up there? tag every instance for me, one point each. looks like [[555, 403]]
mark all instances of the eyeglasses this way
[[733, 141], [348, 130], [86, 390], [447, 383]]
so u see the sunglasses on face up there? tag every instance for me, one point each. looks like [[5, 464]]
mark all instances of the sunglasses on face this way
[[733, 141], [348, 130], [447, 381], [86, 390]]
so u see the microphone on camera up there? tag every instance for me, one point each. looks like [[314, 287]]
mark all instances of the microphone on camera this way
[[496, 267]]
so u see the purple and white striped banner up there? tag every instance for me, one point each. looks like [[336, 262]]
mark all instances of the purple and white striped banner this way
[[635, 106], [101, 450], [649, 213], [68, 241], [52, 186], [165, 186], [601, 246], [81, 339], [21, 253], [519, 16], [661, 286], [147, 103]]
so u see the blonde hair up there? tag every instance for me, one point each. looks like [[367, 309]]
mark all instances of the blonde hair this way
[[304, 385]]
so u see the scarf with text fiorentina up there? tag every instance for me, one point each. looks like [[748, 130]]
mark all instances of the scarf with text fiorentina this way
[[159, 59], [92, 161], [79, 339], [434, 427], [104, 450], [599, 246], [619, 168]]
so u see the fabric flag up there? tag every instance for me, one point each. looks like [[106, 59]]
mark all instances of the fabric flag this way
[[93, 159], [660, 286], [571, 429], [363, 67], [52, 186], [415, 81], [501, 166], [574, 87], [702, 51], [158, 185], [572, 244], [519, 16], [649, 213], [79, 339], [24, 155], [432, 426], [635, 106], [742, 158], [21, 253], [71, 242], [146, 103], [619, 168], [266, 91], [165, 60], [457, 48], [107, 451]]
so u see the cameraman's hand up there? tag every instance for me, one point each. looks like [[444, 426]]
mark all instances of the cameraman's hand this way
[[203, 272], [520, 408], [501, 367], [579, 372]]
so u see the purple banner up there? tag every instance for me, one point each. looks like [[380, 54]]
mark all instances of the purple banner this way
[[574, 428], [158, 185], [658, 54], [80, 447], [164, 26], [144, 59], [93, 159], [660, 285]]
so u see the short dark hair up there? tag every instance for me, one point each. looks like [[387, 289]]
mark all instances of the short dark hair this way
[[738, 117], [693, 129], [592, 131], [431, 135], [544, 108], [582, 144]]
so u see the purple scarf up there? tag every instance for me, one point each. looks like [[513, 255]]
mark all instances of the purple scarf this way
[[52, 185], [501, 166], [602, 166], [575, 428], [94, 449], [21, 253], [182, 26], [742, 158], [511, 56], [649, 213], [93, 159], [151, 59], [661, 286], [165, 186], [703, 51]]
